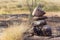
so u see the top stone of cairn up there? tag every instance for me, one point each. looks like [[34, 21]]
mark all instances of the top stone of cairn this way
[[38, 12]]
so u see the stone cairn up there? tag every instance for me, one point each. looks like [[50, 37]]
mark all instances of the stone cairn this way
[[40, 26]]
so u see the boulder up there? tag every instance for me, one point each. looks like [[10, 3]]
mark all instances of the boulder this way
[[38, 12], [39, 23]]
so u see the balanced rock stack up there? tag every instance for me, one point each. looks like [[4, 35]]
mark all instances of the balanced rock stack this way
[[39, 23]]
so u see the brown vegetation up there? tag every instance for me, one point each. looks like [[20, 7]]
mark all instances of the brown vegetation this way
[[15, 32]]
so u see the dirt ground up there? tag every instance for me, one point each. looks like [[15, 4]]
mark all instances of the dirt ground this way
[[49, 14], [53, 20]]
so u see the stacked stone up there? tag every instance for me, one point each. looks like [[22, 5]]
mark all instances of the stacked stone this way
[[40, 24]]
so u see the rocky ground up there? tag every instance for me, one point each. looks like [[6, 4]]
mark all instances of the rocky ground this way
[[42, 38], [7, 20]]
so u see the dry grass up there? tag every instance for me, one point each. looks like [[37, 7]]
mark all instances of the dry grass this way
[[10, 6], [14, 32]]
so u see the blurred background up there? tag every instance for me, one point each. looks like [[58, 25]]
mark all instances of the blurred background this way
[[22, 6], [14, 12]]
